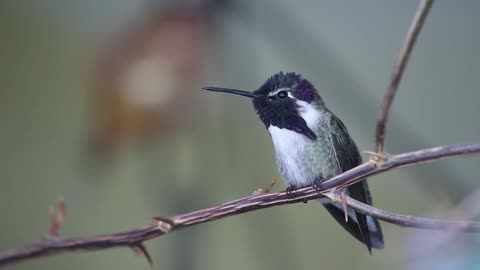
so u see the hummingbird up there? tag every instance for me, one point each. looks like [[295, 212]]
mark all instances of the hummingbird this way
[[311, 145]]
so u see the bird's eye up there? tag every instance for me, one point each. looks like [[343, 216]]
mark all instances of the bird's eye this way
[[282, 94]]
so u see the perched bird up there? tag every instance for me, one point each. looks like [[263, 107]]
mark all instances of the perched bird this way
[[311, 145]]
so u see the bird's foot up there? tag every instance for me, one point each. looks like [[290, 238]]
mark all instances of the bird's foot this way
[[290, 189], [316, 185]]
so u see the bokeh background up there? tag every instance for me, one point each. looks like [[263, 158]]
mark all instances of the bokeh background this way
[[100, 103]]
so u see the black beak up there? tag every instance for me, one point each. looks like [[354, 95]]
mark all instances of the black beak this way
[[231, 91]]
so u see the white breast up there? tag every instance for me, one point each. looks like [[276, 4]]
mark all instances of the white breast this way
[[292, 147], [289, 146]]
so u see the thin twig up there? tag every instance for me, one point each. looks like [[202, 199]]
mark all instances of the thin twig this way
[[137, 236], [398, 71], [410, 221]]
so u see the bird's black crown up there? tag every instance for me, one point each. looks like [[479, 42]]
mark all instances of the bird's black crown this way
[[283, 112], [303, 89]]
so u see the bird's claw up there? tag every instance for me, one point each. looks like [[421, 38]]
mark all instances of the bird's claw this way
[[290, 189], [316, 185]]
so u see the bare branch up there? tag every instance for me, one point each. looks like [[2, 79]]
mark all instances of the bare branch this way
[[136, 237], [410, 221], [379, 164], [398, 71]]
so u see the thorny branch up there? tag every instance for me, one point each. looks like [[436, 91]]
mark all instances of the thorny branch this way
[[398, 71], [136, 237]]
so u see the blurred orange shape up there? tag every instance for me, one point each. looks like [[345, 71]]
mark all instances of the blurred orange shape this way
[[143, 78]]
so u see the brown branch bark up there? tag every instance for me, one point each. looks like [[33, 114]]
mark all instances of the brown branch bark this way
[[398, 71], [136, 237], [410, 221]]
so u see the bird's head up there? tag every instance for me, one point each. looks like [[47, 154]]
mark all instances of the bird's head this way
[[285, 100]]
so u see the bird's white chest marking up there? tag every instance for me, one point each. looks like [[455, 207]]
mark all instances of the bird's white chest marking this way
[[310, 114], [292, 148], [289, 150]]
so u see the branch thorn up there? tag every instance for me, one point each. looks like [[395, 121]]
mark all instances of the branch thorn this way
[[57, 218], [261, 191], [377, 157], [141, 249], [343, 199], [165, 224]]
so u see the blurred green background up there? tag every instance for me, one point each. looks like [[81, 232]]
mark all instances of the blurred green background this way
[[210, 148]]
